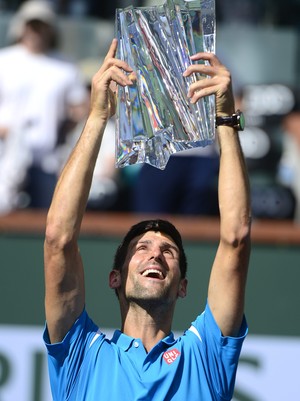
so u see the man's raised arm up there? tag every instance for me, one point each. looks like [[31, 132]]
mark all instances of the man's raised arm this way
[[226, 292], [64, 275]]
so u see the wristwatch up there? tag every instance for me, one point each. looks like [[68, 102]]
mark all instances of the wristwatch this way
[[237, 121]]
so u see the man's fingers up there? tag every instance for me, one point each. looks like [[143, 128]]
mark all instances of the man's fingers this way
[[113, 49], [112, 76], [216, 78], [211, 57], [199, 93], [114, 62], [215, 67], [118, 76], [207, 70], [110, 59]]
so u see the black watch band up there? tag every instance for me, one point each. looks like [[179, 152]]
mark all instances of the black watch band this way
[[237, 121]]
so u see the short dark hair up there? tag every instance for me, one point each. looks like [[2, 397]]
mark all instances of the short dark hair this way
[[142, 227]]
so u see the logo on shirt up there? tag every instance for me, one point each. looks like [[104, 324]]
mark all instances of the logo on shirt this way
[[171, 356]]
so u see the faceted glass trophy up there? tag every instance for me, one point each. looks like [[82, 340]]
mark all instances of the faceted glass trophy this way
[[154, 117]]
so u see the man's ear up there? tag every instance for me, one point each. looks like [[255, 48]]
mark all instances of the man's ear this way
[[114, 279], [182, 288]]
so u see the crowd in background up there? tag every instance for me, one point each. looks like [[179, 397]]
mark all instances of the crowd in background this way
[[273, 12], [44, 103]]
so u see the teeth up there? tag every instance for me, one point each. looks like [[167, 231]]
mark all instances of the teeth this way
[[152, 271]]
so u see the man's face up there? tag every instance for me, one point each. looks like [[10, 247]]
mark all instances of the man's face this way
[[39, 34], [151, 271]]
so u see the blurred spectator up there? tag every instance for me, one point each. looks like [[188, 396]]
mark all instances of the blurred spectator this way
[[42, 96], [266, 12], [93, 8], [186, 186], [105, 188], [236, 11], [289, 166], [265, 107]]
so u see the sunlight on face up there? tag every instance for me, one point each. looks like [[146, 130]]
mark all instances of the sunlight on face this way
[[151, 272]]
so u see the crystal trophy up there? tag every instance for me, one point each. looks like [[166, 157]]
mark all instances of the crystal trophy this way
[[154, 117]]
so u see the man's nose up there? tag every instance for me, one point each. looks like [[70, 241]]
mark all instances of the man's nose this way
[[156, 254]]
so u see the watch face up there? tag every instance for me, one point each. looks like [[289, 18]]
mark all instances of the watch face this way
[[237, 121], [241, 121]]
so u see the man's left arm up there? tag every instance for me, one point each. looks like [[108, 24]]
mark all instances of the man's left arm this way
[[226, 292]]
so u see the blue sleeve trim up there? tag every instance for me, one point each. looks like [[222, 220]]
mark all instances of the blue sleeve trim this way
[[65, 358], [206, 321], [220, 353], [83, 323]]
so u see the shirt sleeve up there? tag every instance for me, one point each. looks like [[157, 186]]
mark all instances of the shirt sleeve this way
[[221, 354], [65, 358]]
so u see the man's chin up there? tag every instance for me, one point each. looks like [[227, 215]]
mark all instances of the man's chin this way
[[149, 299]]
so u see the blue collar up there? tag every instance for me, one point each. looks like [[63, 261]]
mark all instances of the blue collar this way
[[125, 342]]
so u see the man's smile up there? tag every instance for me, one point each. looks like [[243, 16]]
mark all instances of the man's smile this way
[[153, 273]]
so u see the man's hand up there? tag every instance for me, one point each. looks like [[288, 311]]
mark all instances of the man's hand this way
[[104, 82], [218, 82]]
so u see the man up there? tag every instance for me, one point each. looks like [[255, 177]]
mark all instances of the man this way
[[143, 361]]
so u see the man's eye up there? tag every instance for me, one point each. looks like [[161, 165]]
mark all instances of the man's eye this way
[[141, 248], [168, 252]]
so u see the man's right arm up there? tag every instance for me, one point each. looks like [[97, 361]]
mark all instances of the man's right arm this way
[[64, 275]]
